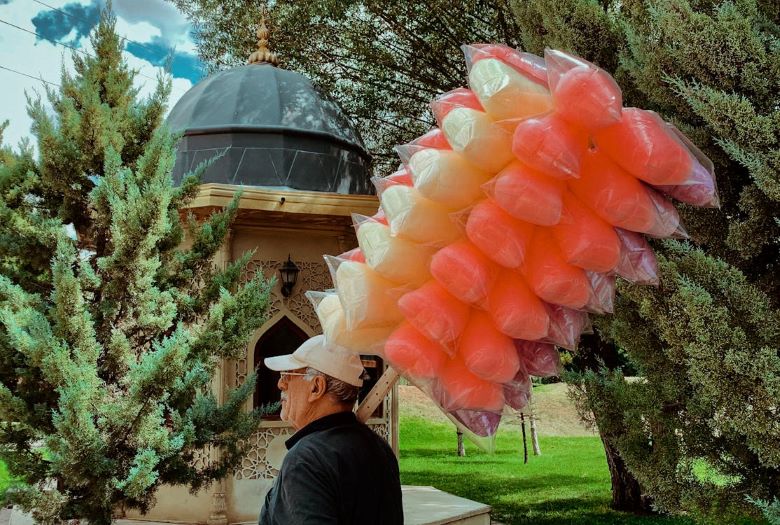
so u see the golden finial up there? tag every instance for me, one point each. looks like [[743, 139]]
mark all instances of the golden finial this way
[[263, 55]]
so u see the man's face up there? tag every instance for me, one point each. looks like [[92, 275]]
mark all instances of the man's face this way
[[295, 397]]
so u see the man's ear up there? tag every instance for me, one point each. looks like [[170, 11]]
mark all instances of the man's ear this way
[[318, 387]]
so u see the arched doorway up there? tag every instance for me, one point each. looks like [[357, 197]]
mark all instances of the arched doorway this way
[[282, 338]]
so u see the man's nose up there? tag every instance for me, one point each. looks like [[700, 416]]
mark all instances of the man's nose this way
[[281, 384]]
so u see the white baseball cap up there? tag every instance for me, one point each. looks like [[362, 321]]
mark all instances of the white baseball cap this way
[[329, 359]]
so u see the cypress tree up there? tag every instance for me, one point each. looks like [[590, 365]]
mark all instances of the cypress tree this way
[[109, 340], [700, 431]]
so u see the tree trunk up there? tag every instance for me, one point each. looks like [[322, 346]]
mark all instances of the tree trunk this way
[[461, 446], [626, 493]]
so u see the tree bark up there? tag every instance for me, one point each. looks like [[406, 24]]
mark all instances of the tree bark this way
[[534, 435], [626, 493], [461, 446]]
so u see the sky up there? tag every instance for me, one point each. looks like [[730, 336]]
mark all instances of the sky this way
[[153, 31]]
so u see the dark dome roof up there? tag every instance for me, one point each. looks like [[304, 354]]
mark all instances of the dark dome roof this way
[[275, 129]]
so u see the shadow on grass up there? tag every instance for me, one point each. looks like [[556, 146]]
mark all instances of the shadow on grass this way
[[537, 499]]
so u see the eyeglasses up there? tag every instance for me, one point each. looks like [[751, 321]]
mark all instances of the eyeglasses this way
[[284, 375]]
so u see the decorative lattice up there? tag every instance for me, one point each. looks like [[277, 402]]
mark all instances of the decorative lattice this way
[[255, 464], [381, 430], [201, 459]]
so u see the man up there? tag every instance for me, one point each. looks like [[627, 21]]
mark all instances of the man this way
[[337, 471]]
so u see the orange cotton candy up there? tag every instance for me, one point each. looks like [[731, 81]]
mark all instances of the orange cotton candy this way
[[411, 352], [471, 131], [585, 239], [509, 84], [369, 300], [446, 177], [464, 271], [553, 279], [614, 194], [465, 391], [415, 217], [588, 98], [528, 195], [500, 236], [550, 145], [516, 310], [434, 312], [643, 145], [487, 352]]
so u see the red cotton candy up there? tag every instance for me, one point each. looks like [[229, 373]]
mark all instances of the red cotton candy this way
[[550, 145], [644, 146], [411, 352], [464, 271], [551, 278], [614, 194], [588, 98], [434, 312], [515, 310], [539, 359], [585, 239], [462, 389], [499, 235], [637, 259], [566, 326], [528, 195], [517, 393], [488, 353]]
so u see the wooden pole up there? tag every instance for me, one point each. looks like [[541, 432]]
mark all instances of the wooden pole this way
[[377, 394]]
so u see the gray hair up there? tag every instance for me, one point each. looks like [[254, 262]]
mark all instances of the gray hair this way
[[342, 391]]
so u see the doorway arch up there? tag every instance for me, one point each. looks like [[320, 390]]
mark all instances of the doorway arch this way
[[281, 338]]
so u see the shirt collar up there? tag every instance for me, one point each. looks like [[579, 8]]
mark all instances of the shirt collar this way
[[324, 423]]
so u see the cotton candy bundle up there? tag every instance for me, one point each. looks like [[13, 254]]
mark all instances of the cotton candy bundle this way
[[506, 225]]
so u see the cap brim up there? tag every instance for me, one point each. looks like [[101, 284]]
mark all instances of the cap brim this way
[[283, 363]]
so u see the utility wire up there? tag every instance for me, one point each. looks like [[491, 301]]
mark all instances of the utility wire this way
[[29, 76], [63, 44], [71, 15]]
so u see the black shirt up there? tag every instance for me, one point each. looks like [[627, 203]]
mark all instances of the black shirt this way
[[337, 471]]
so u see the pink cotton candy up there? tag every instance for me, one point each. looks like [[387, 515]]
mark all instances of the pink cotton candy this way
[[585, 239], [583, 94], [550, 145], [498, 235], [615, 195], [457, 98], [411, 352], [461, 389], [528, 64], [355, 254], [515, 310], [435, 313], [539, 359], [464, 271], [602, 297], [551, 278], [527, 194], [488, 353], [642, 144]]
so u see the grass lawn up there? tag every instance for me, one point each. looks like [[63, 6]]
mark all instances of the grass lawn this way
[[569, 483]]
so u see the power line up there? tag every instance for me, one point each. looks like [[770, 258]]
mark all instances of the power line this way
[[71, 15], [63, 44], [29, 76]]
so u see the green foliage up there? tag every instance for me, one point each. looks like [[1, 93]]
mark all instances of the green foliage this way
[[109, 341], [382, 61], [706, 341]]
